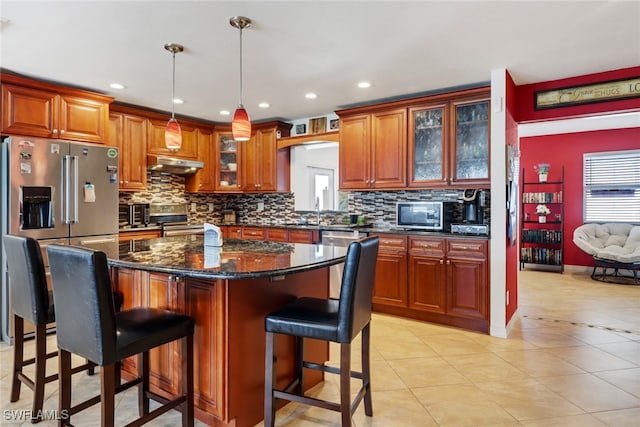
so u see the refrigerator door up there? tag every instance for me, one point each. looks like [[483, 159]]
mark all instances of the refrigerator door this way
[[35, 171], [93, 196]]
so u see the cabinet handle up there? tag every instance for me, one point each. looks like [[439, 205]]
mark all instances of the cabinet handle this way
[[448, 262], [62, 131], [126, 182], [55, 131], [441, 261]]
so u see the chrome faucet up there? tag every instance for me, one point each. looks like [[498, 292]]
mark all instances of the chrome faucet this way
[[317, 208]]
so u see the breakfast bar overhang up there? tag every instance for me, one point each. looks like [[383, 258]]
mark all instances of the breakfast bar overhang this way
[[228, 290]]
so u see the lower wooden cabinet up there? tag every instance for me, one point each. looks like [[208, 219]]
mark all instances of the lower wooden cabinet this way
[[437, 279]]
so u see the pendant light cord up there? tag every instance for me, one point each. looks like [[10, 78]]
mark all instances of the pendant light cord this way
[[241, 67], [173, 90]]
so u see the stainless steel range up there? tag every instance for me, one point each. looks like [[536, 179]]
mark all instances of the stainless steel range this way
[[173, 218]]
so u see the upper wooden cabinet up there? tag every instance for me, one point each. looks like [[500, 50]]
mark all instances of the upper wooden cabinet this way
[[45, 110], [264, 167], [227, 177], [156, 143], [203, 181], [373, 150], [429, 142], [129, 134]]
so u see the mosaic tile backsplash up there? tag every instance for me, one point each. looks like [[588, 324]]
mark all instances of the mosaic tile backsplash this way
[[279, 207]]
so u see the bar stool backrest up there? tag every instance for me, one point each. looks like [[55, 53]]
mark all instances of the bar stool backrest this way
[[27, 278], [356, 290], [85, 314]]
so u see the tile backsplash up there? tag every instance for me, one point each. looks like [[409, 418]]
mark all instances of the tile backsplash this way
[[278, 207]]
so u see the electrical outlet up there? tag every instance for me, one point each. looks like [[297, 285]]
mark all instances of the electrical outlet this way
[[210, 206], [260, 206], [507, 297], [193, 207]]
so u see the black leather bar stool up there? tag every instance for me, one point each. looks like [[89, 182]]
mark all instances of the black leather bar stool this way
[[336, 320], [31, 301], [89, 326]]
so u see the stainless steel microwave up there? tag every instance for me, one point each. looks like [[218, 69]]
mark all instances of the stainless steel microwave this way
[[432, 215]]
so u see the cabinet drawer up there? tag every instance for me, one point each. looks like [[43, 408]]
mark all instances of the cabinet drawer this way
[[253, 233], [302, 236], [467, 248], [235, 232], [421, 245], [391, 242], [277, 235]]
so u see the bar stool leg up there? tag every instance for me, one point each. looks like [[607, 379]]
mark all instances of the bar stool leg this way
[[270, 376], [187, 381], [345, 384], [40, 372], [18, 356], [107, 395], [366, 370], [299, 389], [64, 393], [143, 387]]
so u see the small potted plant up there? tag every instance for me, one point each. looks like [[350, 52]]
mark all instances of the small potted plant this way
[[542, 211], [543, 171]]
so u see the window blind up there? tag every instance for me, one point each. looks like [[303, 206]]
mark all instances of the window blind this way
[[612, 186]]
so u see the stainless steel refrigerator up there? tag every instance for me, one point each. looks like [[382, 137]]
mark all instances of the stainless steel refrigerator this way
[[56, 192]]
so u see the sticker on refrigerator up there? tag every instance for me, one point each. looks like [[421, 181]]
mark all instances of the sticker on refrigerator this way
[[55, 148], [89, 193], [112, 153], [26, 143], [25, 168]]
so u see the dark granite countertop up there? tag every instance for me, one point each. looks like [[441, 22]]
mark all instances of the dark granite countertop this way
[[236, 259]]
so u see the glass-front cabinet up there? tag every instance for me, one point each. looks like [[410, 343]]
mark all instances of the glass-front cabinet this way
[[427, 149], [471, 144], [228, 178], [449, 143]]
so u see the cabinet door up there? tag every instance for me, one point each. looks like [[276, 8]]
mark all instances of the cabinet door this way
[[470, 146], [203, 181], [253, 233], [129, 134], [164, 365], [277, 234], [130, 284], [390, 286], [83, 119], [30, 112], [467, 288], [388, 149], [204, 302], [427, 283], [267, 165], [156, 143], [354, 152], [427, 150], [303, 236], [228, 163]]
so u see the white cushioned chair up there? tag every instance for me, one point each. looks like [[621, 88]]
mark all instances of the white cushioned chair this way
[[619, 242]]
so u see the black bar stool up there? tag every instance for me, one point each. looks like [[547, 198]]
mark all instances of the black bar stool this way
[[89, 326], [30, 300], [336, 320]]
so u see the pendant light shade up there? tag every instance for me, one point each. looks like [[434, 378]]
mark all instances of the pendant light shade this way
[[241, 125], [172, 131]]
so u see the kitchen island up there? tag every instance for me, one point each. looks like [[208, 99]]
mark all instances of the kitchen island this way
[[228, 290]]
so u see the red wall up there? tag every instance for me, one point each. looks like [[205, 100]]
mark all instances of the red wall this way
[[525, 95], [567, 150], [512, 253]]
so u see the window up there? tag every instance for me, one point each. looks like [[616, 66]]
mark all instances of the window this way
[[612, 186]]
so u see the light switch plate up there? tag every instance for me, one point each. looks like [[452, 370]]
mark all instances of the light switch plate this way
[[260, 206], [193, 207]]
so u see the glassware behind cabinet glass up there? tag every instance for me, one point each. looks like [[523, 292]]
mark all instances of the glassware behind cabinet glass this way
[[428, 148], [472, 141]]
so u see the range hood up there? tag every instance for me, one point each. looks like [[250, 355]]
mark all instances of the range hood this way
[[173, 165]]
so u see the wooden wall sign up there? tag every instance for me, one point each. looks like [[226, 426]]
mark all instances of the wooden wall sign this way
[[587, 94]]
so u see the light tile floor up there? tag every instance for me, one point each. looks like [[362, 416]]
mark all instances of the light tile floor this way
[[572, 359]]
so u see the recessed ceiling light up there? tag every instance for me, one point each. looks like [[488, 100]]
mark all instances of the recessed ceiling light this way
[[224, 112], [263, 105], [364, 85], [116, 86], [311, 95], [178, 101]]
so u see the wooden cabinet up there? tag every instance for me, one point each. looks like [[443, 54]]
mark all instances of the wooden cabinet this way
[[449, 143], [45, 110], [227, 160], [129, 134], [373, 149], [203, 181], [391, 271], [437, 279], [253, 233], [303, 236], [156, 142], [277, 234], [427, 277], [264, 167]]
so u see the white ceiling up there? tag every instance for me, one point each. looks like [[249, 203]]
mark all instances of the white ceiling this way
[[297, 47]]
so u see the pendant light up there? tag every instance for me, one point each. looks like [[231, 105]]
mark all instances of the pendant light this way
[[172, 131], [241, 125]]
